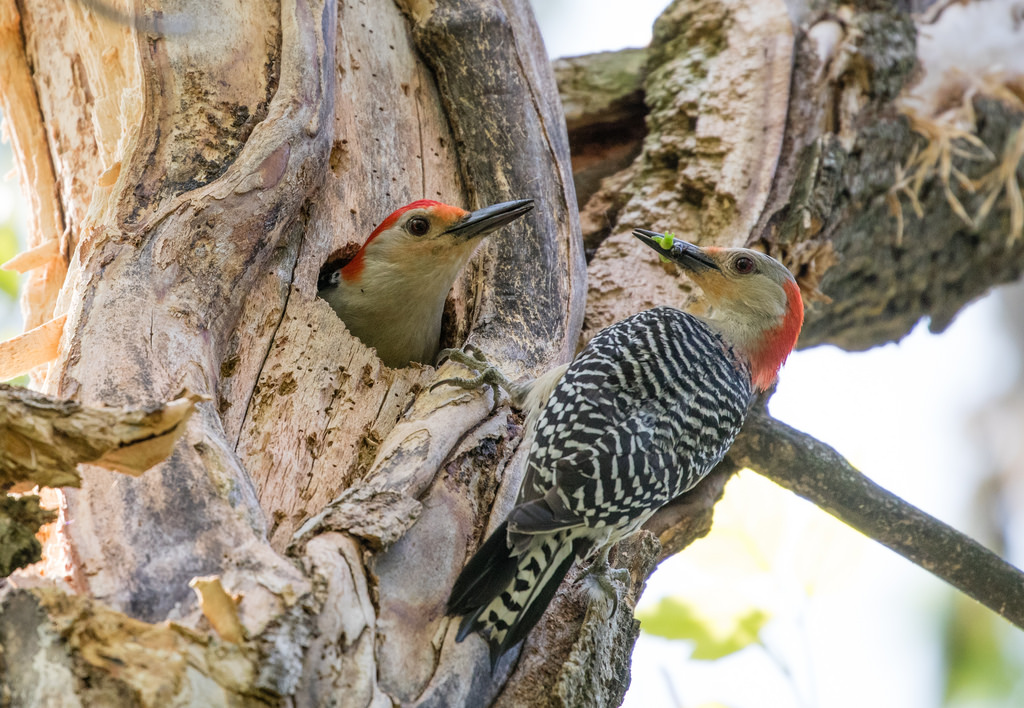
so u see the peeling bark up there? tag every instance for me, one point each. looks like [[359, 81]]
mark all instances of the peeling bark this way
[[26, 131]]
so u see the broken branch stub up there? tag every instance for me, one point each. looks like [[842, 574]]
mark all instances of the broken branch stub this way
[[46, 438]]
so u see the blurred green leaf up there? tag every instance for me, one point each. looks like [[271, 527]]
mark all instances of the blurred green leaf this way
[[8, 250], [674, 618], [979, 669], [18, 381]]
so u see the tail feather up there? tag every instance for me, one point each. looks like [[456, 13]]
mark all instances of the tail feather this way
[[486, 574], [503, 595], [530, 613]]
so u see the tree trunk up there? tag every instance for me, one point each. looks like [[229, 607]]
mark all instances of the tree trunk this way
[[299, 544]]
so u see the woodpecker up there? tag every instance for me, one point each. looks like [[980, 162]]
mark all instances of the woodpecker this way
[[645, 411], [391, 294]]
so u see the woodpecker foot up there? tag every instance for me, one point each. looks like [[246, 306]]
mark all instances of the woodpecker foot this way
[[469, 356], [474, 360], [603, 582]]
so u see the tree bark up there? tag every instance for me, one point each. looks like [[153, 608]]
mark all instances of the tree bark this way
[[299, 544]]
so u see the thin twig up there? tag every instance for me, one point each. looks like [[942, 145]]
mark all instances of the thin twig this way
[[816, 472]]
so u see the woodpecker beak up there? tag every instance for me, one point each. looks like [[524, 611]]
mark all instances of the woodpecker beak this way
[[483, 221], [669, 248]]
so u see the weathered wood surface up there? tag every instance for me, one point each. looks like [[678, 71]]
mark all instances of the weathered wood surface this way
[[181, 178], [198, 295], [309, 412], [209, 189]]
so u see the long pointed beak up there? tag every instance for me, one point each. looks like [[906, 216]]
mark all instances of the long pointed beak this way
[[685, 254], [483, 221]]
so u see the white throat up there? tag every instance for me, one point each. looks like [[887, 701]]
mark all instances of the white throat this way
[[398, 308], [744, 323]]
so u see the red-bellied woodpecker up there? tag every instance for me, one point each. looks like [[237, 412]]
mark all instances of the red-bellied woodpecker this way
[[642, 414], [391, 294]]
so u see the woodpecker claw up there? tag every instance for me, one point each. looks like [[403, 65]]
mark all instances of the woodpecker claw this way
[[468, 356], [474, 360], [603, 582]]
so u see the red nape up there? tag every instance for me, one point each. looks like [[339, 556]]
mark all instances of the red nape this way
[[766, 360], [354, 267]]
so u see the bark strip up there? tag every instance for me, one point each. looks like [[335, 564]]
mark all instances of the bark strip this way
[[26, 131], [33, 348]]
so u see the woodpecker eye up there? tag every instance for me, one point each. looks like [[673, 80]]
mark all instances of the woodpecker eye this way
[[418, 226], [744, 265]]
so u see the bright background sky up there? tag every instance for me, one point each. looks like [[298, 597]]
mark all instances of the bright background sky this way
[[853, 625]]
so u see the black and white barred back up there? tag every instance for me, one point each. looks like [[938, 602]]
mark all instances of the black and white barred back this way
[[643, 413]]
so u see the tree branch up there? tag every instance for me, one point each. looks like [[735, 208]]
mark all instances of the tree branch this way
[[860, 194], [816, 472], [603, 99]]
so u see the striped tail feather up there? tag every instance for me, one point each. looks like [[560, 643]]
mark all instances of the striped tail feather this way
[[502, 593]]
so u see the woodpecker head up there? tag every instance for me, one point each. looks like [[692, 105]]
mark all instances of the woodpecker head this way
[[755, 301], [391, 294], [426, 235]]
